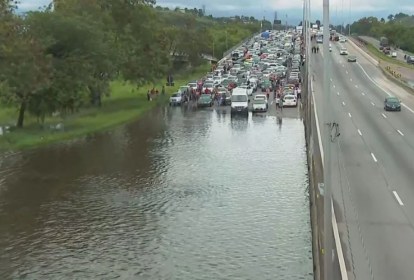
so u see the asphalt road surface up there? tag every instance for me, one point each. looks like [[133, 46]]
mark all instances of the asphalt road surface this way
[[376, 43], [373, 168]]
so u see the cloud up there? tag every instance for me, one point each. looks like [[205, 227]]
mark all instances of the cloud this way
[[30, 5], [340, 10], [248, 7]]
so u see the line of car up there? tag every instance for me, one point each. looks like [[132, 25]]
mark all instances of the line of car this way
[[263, 61]]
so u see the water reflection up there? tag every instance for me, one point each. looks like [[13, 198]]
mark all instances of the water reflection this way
[[177, 195]]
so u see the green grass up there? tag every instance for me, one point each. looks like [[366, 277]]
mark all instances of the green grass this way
[[386, 58], [126, 103]]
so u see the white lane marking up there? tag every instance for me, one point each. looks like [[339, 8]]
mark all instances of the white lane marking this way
[[346, 71], [399, 131], [317, 126], [337, 93], [408, 108], [271, 103], [333, 86], [359, 132], [330, 79], [343, 65], [341, 260], [374, 158], [384, 115], [350, 79], [356, 86], [375, 83], [363, 93], [349, 114], [372, 103], [343, 103], [397, 197]]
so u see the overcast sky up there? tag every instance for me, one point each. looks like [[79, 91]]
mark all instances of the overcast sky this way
[[341, 10]]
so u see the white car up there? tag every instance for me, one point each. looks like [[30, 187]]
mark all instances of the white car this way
[[343, 51], [290, 101], [394, 54], [209, 86], [176, 99], [260, 97], [259, 105], [249, 89]]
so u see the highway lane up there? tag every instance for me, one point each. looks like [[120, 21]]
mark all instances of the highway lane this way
[[369, 92], [398, 138], [375, 75], [376, 43], [370, 164]]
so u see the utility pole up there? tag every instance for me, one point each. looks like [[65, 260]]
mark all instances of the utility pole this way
[[342, 16], [286, 22], [349, 29], [227, 45], [328, 123]]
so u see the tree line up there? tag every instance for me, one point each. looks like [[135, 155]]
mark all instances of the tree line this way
[[398, 28], [63, 58]]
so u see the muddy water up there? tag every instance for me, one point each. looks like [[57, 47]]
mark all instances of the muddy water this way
[[180, 194]]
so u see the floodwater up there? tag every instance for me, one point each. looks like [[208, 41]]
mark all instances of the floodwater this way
[[180, 194]]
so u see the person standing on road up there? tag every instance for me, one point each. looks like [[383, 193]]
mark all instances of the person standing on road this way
[[281, 103]]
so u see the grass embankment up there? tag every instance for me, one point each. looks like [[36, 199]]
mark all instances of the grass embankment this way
[[126, 103], [376, 52]]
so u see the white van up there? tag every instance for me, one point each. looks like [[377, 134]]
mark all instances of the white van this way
[[239, 101]]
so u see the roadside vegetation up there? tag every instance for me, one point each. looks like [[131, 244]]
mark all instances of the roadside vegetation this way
[[398, 28], [85, 66]]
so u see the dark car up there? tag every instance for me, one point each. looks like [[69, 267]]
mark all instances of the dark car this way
[[352, 58], [205, 100], [392, 104]]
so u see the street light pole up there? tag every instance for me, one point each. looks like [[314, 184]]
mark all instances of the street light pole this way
[[328, 122], [349, 29], [227, 46]]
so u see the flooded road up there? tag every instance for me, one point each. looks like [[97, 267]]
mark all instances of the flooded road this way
[[180, 194]]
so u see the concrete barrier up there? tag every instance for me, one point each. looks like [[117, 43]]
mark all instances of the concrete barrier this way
[[366, 55]]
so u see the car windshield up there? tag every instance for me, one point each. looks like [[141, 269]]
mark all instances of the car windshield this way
[[239, 98], [205, 96], [259, 101], [289, 97], [175, 95], [393, 100]]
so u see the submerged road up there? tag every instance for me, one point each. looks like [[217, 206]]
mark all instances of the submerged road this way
[[183, 193], [373, 168]]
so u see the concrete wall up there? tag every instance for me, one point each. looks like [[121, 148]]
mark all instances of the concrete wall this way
[[315, 172]]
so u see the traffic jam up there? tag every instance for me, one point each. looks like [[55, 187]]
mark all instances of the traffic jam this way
[[263, 72]]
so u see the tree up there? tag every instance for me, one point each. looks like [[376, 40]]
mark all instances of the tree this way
[[24, 70], [390, 17]]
